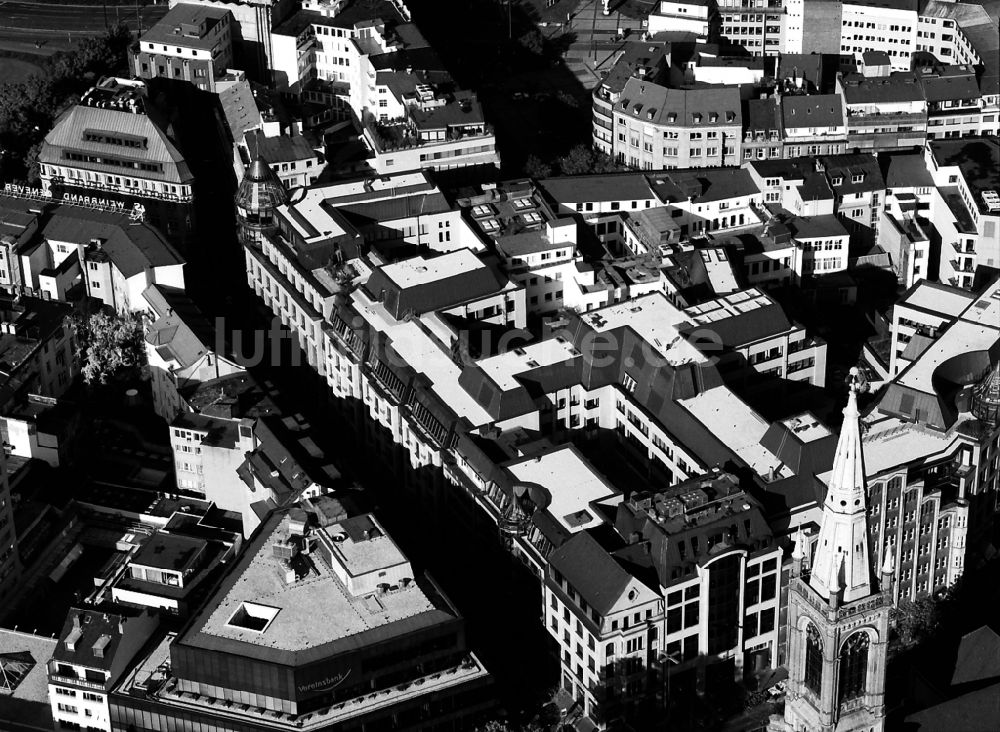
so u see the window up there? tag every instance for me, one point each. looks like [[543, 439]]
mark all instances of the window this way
[[814, 659], [853, 666]]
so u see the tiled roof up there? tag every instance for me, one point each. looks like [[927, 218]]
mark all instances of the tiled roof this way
[[68, 135], [593, 188], [133, 247], [703, 106], [240, 108], [186, 14], [814, 110], [591, 571]]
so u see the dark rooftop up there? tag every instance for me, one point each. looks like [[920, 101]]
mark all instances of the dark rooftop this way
[[169, 551]]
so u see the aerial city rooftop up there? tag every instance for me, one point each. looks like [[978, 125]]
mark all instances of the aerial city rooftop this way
[[562, 366]]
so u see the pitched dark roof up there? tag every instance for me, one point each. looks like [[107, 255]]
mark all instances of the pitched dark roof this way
[[133, 247], [169, 551], [899, 86], [745, 328], [592, 188], [976, 711], [85, 628], [978, 657], [763, 115], [814, 110], [591, 571], [442, 293]]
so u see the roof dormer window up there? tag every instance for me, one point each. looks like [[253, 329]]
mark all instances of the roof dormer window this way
[[837, 180], [857, 178]]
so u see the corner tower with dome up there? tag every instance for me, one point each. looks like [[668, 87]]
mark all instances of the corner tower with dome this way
[[838, 611], [260, 192]]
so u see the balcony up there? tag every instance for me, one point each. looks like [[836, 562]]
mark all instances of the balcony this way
[[76, 681], [403, 134]]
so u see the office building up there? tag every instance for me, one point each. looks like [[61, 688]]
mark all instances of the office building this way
[[115, 147], [255, 655]]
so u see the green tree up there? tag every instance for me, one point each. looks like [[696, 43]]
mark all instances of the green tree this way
[[578, 161], [108, 345], [535, 167], [533, 42], [28, 109], [582, 160], [916, 620]]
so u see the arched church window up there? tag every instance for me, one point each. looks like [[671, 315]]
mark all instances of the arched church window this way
[[853, 666], [814, 659]]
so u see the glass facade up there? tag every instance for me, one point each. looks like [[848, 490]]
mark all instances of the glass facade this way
[[274, 686], [724, 603], [451, 710]]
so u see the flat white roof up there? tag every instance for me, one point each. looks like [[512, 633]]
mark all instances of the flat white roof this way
[[720, 270], [976, 330], [310, 612], [806, 427], [947, 302], [739, 426], [312, 210], [504, 367], [890, 442], [572, 482], [421, 271], [729, 306], [656, 320], [422, 353]]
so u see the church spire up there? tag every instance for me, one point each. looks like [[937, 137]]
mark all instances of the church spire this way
[[843, 534]]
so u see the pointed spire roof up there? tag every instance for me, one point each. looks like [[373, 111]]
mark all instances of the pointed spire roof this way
[[847, 480], [837, 565], [799, 549], [261, 189], [842, 546], [888, 563]]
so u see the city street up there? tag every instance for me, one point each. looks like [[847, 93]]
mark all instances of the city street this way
[[23, 24]]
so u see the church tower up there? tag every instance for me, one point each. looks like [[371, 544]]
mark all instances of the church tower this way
[[838, 612]]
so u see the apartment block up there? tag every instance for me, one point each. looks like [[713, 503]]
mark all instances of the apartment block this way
[[182, 350], [859, 191], [657, 127], [191, 43], [813, 125], [94, 651], [967, 213], [757, 28], [647, 60], [884, 112], [690, 16], [370, 64], [38, 348], [252, 23], [919, 317]]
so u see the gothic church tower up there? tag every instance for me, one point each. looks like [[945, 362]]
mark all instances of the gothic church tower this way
[[838, 617]]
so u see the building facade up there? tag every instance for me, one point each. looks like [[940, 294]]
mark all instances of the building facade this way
[[114, 146], [838, 614]]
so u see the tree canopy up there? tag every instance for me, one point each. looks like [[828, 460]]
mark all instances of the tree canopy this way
[[29, 108], [109, 345]]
